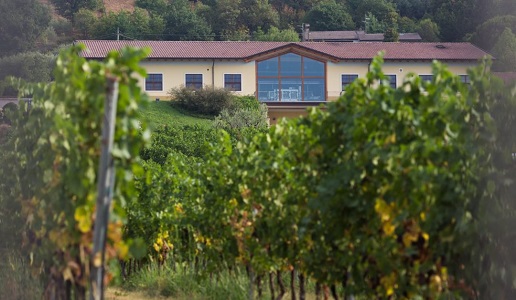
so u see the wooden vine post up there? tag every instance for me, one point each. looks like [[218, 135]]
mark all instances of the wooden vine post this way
[[105, 186]]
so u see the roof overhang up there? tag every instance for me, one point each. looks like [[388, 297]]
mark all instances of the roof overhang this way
[[293, 48]]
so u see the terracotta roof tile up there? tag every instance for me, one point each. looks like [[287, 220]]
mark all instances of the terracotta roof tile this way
[[243, 50]]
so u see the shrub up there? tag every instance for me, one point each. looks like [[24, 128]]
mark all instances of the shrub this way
[[207, 101], [242, 117], [30, 66]]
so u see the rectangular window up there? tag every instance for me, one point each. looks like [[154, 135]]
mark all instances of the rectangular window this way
[[392, 80], [154, 82], [233, 82], [193, 81], [464, 79], [347, 79], [427, 78]]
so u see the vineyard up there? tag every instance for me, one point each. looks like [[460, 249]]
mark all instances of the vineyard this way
[[384, 194]]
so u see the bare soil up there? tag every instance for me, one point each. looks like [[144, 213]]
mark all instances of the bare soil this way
[[114, 293]]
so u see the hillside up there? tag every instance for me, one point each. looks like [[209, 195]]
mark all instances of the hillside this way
[[110, 5], [119, 5]]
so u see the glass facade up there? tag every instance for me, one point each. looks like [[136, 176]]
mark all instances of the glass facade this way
[[291, 77]]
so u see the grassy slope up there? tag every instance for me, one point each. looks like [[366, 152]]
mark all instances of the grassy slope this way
[[162, 113]]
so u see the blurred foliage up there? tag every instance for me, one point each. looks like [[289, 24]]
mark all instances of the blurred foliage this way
[[51, 144]]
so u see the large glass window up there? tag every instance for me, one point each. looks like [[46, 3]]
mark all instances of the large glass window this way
[[193, 81], [233, 82], [291, 77], [154, 82]]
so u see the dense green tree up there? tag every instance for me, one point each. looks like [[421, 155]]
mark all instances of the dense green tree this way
[[505, 52], [276, 35], [414, 9], [28, 66], [428, 30], [373, 25], [84, 22], [329, 15], [136, 25], [21, 23], [258, 13], [154, 6], [223, 17], [406, 24], [67, 8], [379, 8], [391, 32], [486, 34], [455, 19], [183, 23]]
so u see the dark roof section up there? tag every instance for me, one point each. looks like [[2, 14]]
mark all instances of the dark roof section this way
[[410, 36], [507, 77], [244, 50], [357, 36], [333, 36]]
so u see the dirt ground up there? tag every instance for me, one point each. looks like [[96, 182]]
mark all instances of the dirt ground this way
[[118, 5], [119, 294]]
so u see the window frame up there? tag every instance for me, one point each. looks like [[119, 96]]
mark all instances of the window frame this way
[[395, 80], [154, 90], [431, 77], [225, 82], [464, 78], [194, 87], [342, 80]]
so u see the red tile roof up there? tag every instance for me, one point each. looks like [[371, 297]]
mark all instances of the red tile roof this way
[[243, 50]]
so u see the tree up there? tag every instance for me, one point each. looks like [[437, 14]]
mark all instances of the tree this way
[[224, 19], [428, 30], [183, 23], [136, 25], [379, 8], [19, 28], [391, 32], [329, 15], [414, 9], [487, 34], [258, 13], [505, 52], [28, 66], [153, 6], [68, 8], [455, 19], [372, 25], [84, 22], [276, 35], [406, 24]]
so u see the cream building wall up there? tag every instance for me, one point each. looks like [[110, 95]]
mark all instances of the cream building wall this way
[[402, 68], [334, 72], [174, 74], [213, 73]]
